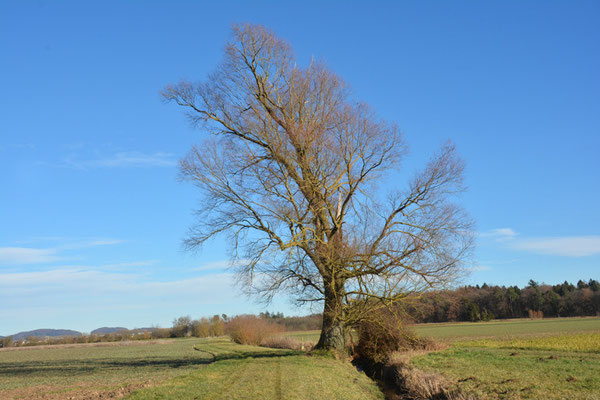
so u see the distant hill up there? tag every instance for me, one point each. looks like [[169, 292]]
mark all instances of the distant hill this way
[[106, 330], [45, 333]]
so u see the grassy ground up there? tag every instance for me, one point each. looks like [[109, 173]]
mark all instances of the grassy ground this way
[[177, 369], [90, 371], [519, 359], [451, 332], [526, 359], [247, 372]]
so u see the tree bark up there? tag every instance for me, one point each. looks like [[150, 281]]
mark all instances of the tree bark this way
[[333, 331]]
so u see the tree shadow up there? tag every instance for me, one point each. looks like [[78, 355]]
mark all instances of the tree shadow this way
[[77, 367]]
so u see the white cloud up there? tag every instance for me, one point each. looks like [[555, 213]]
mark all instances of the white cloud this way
[[126, 159], [25, 255], [477, 268], [30, 255], [568, 246], [500, 234]]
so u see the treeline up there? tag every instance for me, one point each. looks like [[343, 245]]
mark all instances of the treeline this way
[[485, 302], [304, 323], [123, 335], [217, 325]]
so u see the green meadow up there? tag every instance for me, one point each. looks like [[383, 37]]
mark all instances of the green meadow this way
[[518, 359]]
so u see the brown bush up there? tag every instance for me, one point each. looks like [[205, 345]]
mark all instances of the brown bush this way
[[383, 334], [535, 314], [249, 329]]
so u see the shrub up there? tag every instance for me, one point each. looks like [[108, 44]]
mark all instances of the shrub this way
[[535, 314], [249, 329], [383, 334]]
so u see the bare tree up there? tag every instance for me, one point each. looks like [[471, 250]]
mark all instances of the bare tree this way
[[290, 173]]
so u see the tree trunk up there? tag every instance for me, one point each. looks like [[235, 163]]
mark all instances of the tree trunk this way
[[333, 331]]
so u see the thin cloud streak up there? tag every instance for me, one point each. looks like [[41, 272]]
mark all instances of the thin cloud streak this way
[[568, 246], [25, 255], [126, 159], [31, 255]]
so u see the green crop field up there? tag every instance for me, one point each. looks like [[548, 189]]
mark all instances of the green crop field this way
[[519, 359], [450, 332]]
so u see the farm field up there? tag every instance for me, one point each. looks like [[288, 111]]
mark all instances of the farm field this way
[[452, 331], [177, 369], [248, 372], [518, 359], [93, 370]]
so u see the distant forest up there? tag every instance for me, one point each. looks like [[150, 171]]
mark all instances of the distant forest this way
[[477, 303]]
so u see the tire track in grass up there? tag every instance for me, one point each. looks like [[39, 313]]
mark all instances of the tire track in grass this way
[[278, 380]]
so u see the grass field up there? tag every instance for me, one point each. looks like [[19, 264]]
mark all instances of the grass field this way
[[91, 371], [520, 359], [177, 369], [248, 372], [451, 332]]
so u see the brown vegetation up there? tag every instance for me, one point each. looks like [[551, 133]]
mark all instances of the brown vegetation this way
[[250, 329], [286, 342], [383, 334]]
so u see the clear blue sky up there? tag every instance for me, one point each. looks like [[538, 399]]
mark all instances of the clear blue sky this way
[[92, 214]]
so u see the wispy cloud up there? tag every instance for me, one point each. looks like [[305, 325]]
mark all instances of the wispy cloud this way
[[126, 159], [25, 255], [83, 282], [32, 255], [478, 268], [500, 234], [568, 246]]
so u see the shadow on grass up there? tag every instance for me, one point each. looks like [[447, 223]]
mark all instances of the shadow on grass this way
[[86, 367]]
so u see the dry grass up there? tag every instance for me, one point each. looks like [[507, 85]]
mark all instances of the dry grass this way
[[286, 342], [420, 385]]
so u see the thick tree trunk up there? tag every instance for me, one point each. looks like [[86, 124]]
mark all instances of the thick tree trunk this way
[[333, 331]]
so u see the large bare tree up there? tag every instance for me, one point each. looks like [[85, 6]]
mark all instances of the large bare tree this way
[[290, 173]]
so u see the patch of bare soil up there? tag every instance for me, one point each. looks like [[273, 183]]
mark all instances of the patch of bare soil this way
[[79, 392]]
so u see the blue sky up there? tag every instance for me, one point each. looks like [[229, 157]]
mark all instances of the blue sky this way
[[92, 214]]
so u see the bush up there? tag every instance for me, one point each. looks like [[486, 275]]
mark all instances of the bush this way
[[535, 314], [249, 329], [383, 334]]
